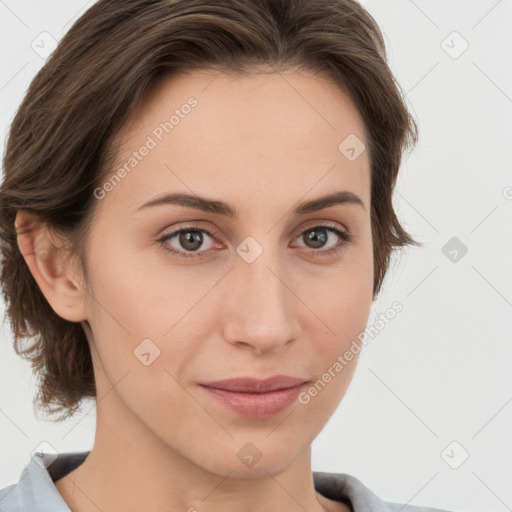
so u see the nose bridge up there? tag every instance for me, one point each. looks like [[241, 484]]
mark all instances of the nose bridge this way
[[261, 306]]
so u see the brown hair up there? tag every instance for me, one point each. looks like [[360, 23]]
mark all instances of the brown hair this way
[[63, 135]]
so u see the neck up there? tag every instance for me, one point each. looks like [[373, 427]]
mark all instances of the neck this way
[[129, 468]]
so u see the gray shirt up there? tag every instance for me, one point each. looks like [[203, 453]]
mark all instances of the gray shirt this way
[[36, 492]]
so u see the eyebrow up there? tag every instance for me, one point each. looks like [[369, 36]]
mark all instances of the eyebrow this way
[[221, 208]]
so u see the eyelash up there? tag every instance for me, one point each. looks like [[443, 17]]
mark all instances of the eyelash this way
[[345, 236]]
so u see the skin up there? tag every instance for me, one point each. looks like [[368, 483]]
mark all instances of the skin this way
[[262, 143]]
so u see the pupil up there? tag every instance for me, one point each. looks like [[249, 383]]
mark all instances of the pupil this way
[[191, 237], [317, 235]]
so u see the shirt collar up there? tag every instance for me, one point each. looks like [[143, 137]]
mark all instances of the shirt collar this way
[[36, 485]]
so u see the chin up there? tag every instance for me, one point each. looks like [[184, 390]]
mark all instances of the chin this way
[[250, 462]]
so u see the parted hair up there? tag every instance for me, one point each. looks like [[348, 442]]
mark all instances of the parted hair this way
[[62, 138]]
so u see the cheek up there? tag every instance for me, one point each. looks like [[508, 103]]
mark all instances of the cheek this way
[[346, 319], [344, 299], [343, 304]]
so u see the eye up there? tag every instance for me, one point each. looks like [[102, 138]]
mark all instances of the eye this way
[[191, 240], [317, 236]]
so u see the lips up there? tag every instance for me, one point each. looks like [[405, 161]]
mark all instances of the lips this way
[[255, 398], [252, 385]]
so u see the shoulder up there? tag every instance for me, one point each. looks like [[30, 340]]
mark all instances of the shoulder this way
[[35, 490], [348, 489], [403, 507]]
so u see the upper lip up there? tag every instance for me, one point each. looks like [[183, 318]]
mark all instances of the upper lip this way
[[252, 385]]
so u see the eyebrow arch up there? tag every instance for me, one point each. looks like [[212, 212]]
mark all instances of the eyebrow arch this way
[[220, 208]]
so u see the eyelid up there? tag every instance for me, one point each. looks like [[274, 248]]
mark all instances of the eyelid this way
[[192, 226], [345, 236], [313, 223], [294, 234]]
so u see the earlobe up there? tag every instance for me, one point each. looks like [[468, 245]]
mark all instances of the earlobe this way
[[46, 259]]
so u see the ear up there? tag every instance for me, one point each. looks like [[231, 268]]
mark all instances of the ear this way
[[46, 259]]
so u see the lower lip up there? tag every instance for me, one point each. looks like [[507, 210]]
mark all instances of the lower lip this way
[[256, 405]]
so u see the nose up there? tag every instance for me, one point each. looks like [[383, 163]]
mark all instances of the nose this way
[[260, 308]]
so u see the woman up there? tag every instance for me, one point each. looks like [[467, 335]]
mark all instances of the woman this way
[[196, 217]]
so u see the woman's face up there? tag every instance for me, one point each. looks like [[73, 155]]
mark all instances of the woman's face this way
[[252, 293]]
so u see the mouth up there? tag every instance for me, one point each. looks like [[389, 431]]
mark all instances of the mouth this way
[[254, 398], [253, 385]]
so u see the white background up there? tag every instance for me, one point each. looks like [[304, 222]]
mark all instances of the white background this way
[[440, 371]]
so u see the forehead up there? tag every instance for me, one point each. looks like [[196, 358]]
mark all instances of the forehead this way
[[241, 133], [251, 104]]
